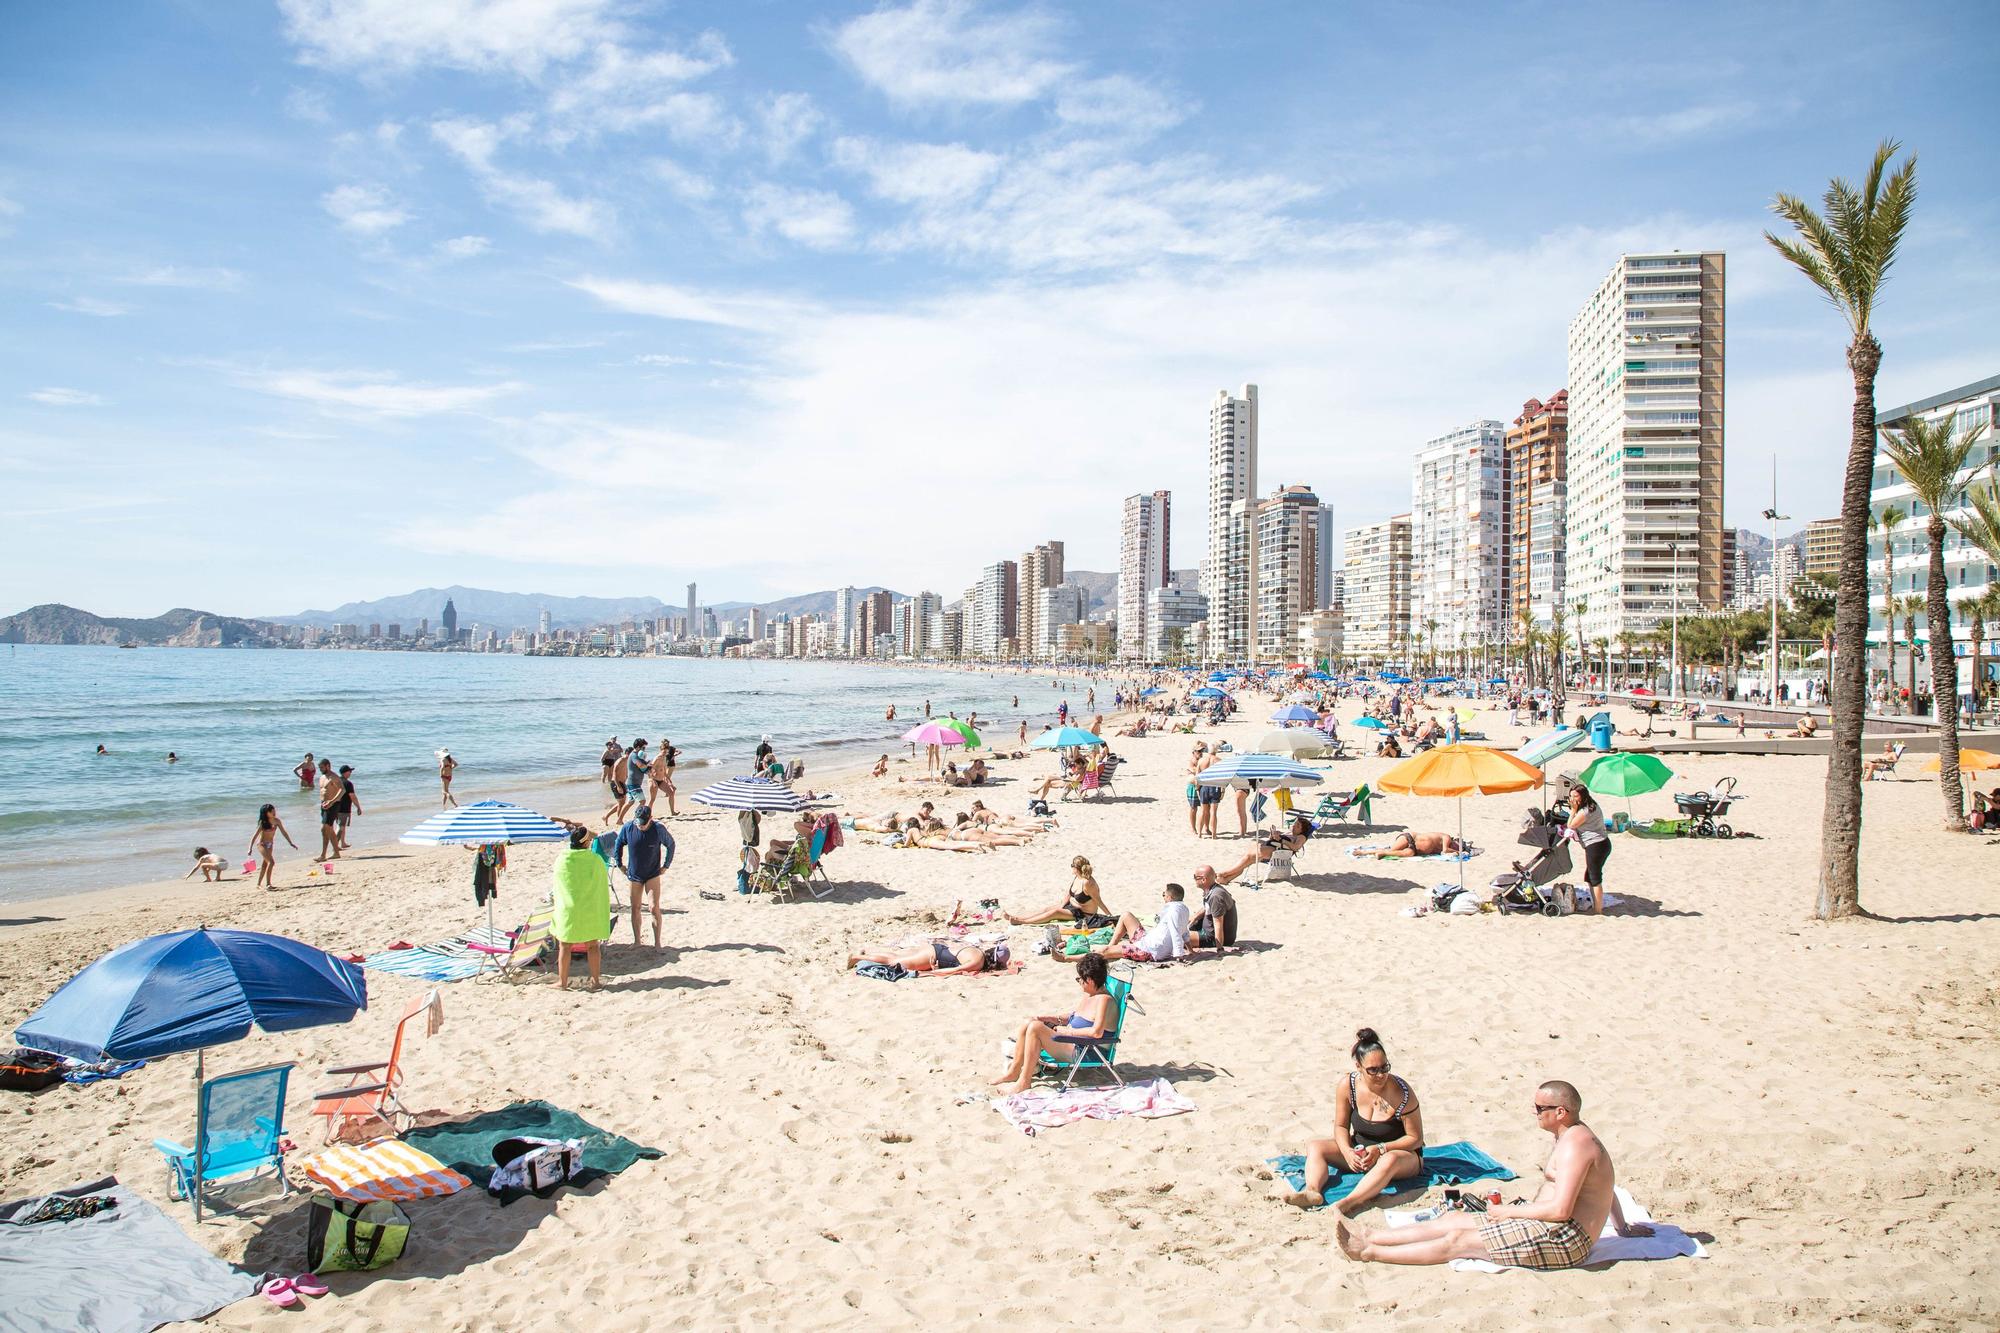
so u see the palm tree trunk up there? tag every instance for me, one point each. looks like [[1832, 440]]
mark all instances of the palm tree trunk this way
[[1978, 667], [1944, 681], [1888, 610], [1910, 633], [1840, 821]]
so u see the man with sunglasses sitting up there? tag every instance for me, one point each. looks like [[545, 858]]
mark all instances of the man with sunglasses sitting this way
[[1556, 1230]]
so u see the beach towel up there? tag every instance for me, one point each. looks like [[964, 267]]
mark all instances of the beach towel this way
[[467, 1145], [383, 1169], [1038, 1109], [882, 971], [1363, 853], [127, 1269], [1444, 1164], [1666, 1242], [424, 963]]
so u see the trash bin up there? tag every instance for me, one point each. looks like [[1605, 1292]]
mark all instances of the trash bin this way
[[1600, 732]]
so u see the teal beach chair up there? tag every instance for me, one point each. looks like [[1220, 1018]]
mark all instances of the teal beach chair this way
[[240, 1130], [1102, 1052], [1335, 807]]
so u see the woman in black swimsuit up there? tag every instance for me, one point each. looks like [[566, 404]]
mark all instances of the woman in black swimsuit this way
[[1378, 1131], [1083, 903]]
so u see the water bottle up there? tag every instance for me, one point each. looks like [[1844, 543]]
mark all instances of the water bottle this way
[[1428, 1214]]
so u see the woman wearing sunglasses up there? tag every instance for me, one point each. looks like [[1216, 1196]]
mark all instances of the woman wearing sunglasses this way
[[1378, 1132]]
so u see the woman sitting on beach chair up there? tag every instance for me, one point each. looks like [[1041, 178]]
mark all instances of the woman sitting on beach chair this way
[[1057, 1037]]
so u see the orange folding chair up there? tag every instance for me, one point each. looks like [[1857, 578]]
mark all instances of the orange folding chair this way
[[370, 1092]]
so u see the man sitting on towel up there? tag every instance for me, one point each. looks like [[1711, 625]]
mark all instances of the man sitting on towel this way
[[1555, 1231], [1166, 939]]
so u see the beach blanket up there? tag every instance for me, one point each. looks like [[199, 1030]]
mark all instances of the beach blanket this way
[[1666, 1242], [1038, 1109], [1444, 1164], [1365, 853], [383, 1169], [127, 1269], [467, 1145], [423, 963]]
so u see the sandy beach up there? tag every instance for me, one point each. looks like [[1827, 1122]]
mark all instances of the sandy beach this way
[[1813, 1102]]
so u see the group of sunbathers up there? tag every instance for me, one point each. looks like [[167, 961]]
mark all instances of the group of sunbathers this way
[[974, 830]]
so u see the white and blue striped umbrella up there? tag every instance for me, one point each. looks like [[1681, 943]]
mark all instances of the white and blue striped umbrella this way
[[484, 822], [1264, 771], [760, 794]]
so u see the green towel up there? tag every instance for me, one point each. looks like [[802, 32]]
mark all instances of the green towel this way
[[1075, 946], [467, 1145], [582, 898]]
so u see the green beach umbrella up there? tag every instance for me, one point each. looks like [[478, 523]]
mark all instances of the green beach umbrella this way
[[1626, 775], [971, 737]]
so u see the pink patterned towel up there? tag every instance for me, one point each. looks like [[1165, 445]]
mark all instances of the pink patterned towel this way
[[1038, 1109]]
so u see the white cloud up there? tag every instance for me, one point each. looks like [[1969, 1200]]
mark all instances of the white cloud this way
[[623, 89], [787, 120], [945, 51], [464, 247], [816, 219], [662, 359], [665, 301], [518, 36], [1117, 104], [918, 173], [373, 395], [8, 208], [56, 397], [688, 186], [309, 104], [366, 209], [539, 203], [178, 275], [90, 305], [1686, 122]]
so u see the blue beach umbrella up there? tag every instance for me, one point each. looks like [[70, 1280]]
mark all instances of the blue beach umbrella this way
[[1209, 692], [1317, 675], [482, 822], [1395, 679], [192, 989], [1373, 723], [1440, 680], [1295, 713], [1147, 694], [760, 794], [1063, 738]]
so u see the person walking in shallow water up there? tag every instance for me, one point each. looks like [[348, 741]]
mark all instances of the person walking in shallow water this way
[[446, 767]]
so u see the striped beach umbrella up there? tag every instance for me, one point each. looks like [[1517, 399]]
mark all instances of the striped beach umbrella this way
[[1264, 772], [760, 794], [483, 822]]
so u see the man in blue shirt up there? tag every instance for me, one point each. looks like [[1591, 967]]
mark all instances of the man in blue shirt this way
[[643, 852]]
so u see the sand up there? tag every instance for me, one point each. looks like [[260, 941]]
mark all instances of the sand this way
[[1816, 1102]]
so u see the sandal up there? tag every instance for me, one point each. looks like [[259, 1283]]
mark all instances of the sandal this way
[[280, 1292], [308, 1284]]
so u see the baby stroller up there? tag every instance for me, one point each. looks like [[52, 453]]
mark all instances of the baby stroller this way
[[1704, 809], [1524, 888]]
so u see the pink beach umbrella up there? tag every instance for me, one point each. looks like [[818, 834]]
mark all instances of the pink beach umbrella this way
[[933, 733]]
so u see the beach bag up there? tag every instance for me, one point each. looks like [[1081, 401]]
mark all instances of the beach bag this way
[[349, 1236], [535, 1165], [1565, 898], [30, 1071]]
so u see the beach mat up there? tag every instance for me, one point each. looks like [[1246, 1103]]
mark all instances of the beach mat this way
[[422, 963], [1445, 1164], [1365, 853], [467, 1145], [127, 1269]]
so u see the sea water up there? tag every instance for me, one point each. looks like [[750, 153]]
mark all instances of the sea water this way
[[525, 729]]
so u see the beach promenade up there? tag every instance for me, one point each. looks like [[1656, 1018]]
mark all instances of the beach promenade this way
[[1813, 1102]]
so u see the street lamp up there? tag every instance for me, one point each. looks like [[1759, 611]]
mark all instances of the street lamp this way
[[1775, 519]]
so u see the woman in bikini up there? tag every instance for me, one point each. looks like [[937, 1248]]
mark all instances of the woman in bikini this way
[[964, 827], [269, 826], [446, 767], [1057, 1037], [943, 958], [1378, 1131], [1083, 903], [661, 776]]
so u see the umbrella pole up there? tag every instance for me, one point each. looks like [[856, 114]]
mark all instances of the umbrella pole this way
[[1461, 844]]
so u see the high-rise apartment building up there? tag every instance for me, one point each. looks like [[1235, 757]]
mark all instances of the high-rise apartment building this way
[[1645, 443], [1822, 548], [1144, 553], [840, 637], [873, 621], [996, 607], [1326, 577], [1040, 568], [1064, 604], [450, 621], [1459, 538], [1288, 569], [694, 619], [1230, 572], [1537, 499], [1376, 591], [1734, 576], [1171, 612]]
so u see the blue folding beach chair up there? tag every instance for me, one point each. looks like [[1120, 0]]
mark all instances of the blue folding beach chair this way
[[239, 1130], [1099, 1054]]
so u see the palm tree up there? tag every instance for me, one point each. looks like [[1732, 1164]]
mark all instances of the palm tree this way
[[1908, 607], [1847, 254], [1430, 645], [1930, 461], [1891, 518], [1981, 527]]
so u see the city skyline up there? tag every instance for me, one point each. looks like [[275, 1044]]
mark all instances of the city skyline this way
[[739, 268]]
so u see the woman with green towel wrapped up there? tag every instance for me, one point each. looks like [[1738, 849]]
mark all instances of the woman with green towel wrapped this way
[[583, 907]]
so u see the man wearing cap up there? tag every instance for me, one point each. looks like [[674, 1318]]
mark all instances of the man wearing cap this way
[[643, 851], [348, 806], [613, 752]]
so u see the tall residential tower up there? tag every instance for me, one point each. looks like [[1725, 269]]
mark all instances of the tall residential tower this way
[[1458, 538], [1230, 572], [1537, 491], [1143, 555]]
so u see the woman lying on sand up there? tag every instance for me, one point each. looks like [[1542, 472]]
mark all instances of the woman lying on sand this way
[[934, 835], [1415, 844], [943, 958], [1083, 903], [965, 828], [1047, 1034]]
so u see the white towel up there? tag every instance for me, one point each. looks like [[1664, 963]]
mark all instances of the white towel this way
[[1666, 1242]]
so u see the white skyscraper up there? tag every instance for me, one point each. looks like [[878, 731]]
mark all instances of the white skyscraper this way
[[1143, 555], [1376, 591], [841, 636], [1645, 443], [1230, 574], [1459, 537]]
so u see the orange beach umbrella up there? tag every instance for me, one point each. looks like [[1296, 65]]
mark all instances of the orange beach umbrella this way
[[1460, 771], [1969, 761]]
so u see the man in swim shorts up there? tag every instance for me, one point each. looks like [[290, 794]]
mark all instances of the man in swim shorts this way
[[1555, 1231], [1407, 845]]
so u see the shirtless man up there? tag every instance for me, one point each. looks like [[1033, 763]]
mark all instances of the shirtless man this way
[[331, 790], [1555, 1231], [1416, 844]]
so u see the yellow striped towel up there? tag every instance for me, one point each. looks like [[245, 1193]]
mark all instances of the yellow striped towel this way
[[383, 1169]]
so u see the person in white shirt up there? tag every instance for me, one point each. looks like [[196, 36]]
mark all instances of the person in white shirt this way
[[1163, 941]]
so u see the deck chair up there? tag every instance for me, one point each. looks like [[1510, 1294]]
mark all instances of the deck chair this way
[[524, 946], [795, 872], [240, 1129], [1890, 767], [1335, 807], [1101, 1053], [371, 1090]]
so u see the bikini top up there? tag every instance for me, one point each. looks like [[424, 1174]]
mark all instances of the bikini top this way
[[1375, 1131]]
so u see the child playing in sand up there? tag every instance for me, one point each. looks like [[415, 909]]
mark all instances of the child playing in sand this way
[[209, 864]]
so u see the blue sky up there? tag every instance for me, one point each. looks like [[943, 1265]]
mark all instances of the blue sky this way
[[336, 298]]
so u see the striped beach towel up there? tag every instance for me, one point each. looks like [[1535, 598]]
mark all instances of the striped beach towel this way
[[384, 1169], [426, 964]]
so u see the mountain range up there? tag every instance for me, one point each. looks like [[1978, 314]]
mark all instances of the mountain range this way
[[516, 610], [179, 628]]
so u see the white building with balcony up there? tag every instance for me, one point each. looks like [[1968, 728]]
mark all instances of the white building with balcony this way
[[1459, 537]]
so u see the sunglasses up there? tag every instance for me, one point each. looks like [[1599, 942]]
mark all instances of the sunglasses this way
[[1375, 1070], [1541, 1109]]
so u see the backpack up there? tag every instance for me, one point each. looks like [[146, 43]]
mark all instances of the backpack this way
[[30, 1071]]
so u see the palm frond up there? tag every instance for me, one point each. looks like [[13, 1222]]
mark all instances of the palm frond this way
[[1929, 458], [1981, 525]]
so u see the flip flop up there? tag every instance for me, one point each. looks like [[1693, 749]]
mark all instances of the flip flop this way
[[279, 1291], [308, 1284]]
